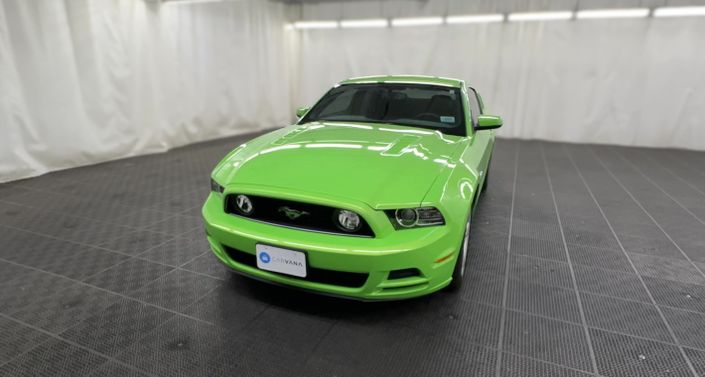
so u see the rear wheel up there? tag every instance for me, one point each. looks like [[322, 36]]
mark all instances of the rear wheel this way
[[461, 262]]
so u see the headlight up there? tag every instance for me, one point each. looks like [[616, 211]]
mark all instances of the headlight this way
[[415, 217], [215, 187], [406, 217], [347, 221]]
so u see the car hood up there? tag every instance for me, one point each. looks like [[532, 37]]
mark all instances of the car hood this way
[[381, 165]]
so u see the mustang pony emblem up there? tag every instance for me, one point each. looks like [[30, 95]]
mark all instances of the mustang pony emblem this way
[[291, 213]]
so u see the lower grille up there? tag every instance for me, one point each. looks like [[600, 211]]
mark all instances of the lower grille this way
[[313, 274], [405, 273]]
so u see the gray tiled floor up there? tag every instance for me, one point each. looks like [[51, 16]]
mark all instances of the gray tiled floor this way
[[585, 261]]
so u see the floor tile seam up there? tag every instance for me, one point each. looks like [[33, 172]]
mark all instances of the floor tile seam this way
[[581, 310], [631, 262], [103, 221], [638, 203], [123, 296], [653, 183], [505, 288], [106, 357], [671, 172]]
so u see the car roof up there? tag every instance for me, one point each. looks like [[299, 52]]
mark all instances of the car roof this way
[[410, 79]]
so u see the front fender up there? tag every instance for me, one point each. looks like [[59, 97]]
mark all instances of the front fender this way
[[454, 193]]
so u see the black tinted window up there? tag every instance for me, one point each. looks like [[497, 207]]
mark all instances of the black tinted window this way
[[426, 106]]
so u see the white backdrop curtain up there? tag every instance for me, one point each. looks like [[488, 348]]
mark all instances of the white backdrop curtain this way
[[622, 81], [84, 81]]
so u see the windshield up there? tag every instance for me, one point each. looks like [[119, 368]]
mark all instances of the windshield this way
[[415, 105]]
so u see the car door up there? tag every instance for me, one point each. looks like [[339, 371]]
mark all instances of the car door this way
[[483, 140]]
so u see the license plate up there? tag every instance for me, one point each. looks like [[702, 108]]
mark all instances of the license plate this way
[[285, 261]]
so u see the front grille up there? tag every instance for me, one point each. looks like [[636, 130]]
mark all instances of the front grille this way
[[313, 216], [313, 274]]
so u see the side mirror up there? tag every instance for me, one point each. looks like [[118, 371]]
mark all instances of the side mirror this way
[[488, 122], [301, 111]]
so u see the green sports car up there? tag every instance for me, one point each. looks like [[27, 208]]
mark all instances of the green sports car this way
[[369, 195]]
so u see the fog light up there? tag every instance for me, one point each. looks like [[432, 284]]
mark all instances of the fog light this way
[[406, 217], [244, 204], [347, 220]]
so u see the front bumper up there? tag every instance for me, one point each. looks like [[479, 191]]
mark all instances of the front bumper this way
[[432, 251]]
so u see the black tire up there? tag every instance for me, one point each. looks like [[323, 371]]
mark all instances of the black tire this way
[[461, 262], [487, 178]]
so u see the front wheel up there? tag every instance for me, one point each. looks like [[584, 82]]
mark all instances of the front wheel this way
[[461, 262]]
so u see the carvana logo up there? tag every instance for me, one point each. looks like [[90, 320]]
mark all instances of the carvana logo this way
[[264, 257]]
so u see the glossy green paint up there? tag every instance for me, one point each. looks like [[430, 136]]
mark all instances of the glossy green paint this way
[[488, 122], [301, 111], [365, 168], [430, 80]]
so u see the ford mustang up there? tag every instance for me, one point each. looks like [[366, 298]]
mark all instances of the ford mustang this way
[[370, 195]]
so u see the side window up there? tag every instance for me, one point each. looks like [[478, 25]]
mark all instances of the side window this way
[[474, 105]]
